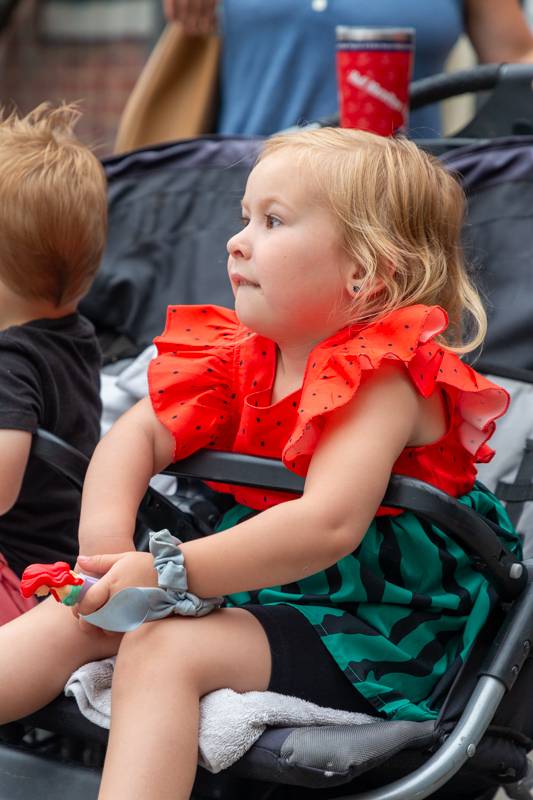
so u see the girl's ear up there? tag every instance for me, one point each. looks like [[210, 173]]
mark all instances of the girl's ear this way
[[357, 283], [354, 281]]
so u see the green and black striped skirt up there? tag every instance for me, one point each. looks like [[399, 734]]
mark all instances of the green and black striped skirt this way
[[400, 614]]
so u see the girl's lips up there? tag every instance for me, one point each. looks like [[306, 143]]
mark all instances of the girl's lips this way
[[238, 281]]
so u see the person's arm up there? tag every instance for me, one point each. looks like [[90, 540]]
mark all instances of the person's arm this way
[[14, 451], [137, 447], [346, 481], [197, 16], [499, 31]]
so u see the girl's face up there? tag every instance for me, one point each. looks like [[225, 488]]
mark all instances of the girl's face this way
[[288, 270]]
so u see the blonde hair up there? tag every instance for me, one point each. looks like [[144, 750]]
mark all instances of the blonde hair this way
[[53, 206], [400, 215]]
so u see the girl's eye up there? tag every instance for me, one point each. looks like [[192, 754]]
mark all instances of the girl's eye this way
[[244, 221], [271, 221]]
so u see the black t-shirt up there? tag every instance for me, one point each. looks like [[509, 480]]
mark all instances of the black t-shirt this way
[[49, 378]]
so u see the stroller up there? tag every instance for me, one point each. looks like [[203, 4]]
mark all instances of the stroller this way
[[172, 208]]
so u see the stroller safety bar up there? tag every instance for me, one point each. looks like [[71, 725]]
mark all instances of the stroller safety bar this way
[[506, 574], [499, 566], [60, 456]]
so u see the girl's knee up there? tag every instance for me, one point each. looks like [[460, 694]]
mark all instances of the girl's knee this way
[[145, 641], [160, 649], [148, 647], [226, 649]]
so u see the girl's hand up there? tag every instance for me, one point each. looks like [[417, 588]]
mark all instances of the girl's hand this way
[[118, 570], [198, 17], [95, 544]]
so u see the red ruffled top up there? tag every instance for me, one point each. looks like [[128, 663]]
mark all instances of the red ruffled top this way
[[211, 386]]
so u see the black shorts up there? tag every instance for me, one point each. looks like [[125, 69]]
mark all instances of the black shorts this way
[[301, 664]]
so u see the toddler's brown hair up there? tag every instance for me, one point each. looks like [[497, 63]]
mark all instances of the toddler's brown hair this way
[[53, 206]]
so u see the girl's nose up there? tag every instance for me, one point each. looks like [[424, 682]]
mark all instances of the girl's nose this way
[[238, 247]]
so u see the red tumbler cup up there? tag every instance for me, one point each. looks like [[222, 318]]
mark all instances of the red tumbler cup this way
[[374, 67]]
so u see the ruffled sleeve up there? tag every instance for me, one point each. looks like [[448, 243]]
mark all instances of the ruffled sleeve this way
[[478, 404], [337, 367], [191, 379]]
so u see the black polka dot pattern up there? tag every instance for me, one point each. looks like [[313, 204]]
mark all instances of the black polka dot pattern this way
[[222, 397]]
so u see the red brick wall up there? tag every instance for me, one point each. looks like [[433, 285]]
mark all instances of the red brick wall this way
[[101, 74]]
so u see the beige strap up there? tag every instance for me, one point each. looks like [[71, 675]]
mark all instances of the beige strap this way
[[174, 96]]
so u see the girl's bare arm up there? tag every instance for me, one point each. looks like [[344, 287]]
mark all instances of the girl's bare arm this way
[[136, 448], [346, 481]]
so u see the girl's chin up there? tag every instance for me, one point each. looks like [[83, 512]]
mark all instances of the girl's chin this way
[[246, 315], [257, 319], [246, 304]]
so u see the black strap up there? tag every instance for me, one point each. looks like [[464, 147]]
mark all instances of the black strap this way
[[518, 493]]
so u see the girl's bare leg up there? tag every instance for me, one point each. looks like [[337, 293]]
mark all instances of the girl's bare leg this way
[[38, 652], [162, 670]]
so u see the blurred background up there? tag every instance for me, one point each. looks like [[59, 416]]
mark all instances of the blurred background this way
[[94, 50], [88, 50]]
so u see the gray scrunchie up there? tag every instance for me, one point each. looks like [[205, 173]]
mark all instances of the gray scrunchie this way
[[130, 607], [172, 577]]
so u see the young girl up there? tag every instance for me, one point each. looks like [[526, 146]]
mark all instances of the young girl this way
[[351, 302]]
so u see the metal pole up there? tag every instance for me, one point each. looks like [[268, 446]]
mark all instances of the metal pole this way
[[456, 750]]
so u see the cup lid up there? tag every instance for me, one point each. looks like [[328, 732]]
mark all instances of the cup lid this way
[[348, 33]]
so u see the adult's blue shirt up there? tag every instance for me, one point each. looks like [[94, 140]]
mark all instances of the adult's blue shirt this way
[[278, 57]]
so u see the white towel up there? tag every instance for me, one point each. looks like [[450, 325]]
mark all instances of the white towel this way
[[230, 723]]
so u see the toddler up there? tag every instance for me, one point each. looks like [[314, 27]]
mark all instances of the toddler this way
[[53, 212], [351, 305]]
